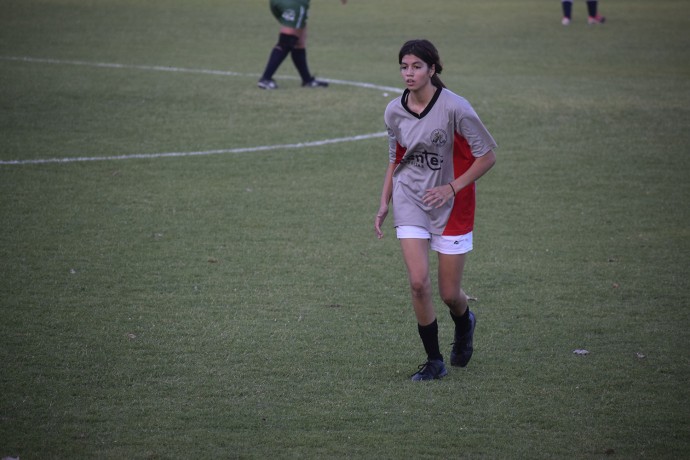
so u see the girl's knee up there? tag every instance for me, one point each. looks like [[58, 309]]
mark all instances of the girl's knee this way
[[420, 288], [454, 299]]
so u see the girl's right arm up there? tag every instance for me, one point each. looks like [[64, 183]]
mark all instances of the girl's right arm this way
[[386, 193]]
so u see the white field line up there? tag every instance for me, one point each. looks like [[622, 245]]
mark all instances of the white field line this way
[[263, 148], [227, 73]]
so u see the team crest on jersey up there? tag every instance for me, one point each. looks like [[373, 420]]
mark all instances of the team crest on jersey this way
[[439, 137], [289, 15]]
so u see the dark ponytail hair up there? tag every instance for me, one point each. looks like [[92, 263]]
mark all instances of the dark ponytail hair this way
[[428, 53]]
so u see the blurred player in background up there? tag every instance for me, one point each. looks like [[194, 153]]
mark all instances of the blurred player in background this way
[[593, 15], [292, 16], [438, 148]]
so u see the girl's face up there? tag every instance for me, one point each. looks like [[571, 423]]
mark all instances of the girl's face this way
[[415, 73]]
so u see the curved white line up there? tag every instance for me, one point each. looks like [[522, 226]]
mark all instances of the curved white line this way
[[111, 65], [187, 154], [262, 148]]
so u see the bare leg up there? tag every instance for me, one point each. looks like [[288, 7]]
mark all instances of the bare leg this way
[[416, 256], [450, 270]]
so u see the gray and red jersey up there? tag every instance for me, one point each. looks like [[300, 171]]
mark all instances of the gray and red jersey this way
[[431, 149]]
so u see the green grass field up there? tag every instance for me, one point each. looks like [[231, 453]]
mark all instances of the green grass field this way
[[235, 303]]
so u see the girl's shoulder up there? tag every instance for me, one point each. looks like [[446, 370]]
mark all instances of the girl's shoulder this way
[[449, 97], [395, 108], [454, 103], [393, 103]]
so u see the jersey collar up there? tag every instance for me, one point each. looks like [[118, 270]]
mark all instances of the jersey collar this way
[[428, 107]]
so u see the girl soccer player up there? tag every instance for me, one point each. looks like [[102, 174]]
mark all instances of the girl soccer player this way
[[438, 148]]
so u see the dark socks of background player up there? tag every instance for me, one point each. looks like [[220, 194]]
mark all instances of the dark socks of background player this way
[[429, 336], [462, 323], [299, 58], [592, 9], [278, 55]]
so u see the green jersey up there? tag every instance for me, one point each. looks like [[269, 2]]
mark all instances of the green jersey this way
[[291, 13]]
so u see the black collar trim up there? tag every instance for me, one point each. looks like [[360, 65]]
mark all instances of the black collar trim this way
[[427, 109]]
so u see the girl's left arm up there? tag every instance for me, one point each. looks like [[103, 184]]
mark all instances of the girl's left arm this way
[[480, 167]]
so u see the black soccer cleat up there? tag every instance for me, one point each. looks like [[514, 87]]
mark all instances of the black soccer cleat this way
[[314, 83], [430, 370]]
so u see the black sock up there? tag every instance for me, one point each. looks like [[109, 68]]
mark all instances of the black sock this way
[[299, 58], [276, 58], [429, 336], [567, 9], [592, 8], [462, 323]]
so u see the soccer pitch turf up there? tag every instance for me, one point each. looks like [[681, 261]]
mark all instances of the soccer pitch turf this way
[[188, 264]]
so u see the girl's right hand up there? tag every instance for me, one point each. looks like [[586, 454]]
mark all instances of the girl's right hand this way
[[380, 217]]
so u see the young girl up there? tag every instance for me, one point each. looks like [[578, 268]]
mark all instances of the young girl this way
[[438, 148]]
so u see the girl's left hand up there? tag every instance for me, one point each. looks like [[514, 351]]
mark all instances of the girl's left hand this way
[[438, 196]]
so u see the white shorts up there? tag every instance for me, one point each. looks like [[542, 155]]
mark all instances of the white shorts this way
[[443, 244]]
